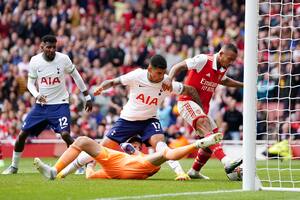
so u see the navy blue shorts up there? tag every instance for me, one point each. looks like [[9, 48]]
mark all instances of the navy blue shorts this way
[[123, 130], [40, 117]]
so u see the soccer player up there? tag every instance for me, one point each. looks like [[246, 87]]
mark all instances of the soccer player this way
[[139, 115], [48, 69], [119, 165], [205, 73]]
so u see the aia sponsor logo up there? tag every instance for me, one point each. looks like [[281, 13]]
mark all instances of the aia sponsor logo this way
[[50, 80], [147, 99]]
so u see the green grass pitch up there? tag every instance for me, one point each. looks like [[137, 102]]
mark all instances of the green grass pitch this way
[[29, 184]]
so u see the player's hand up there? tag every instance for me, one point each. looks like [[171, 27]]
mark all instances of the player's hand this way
[[42, 99], [88, 106], [91, 164], [182, 177], [167, 84], [98, 91]]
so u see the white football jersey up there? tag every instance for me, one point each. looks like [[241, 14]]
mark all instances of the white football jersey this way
[[144, 96], [51, 76]]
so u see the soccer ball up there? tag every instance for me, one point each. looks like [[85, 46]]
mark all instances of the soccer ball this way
[[236, 175]]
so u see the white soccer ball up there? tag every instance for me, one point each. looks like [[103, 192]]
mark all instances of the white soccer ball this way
[[236, 175]]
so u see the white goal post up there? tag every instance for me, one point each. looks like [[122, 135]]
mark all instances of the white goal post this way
[[271, 103]]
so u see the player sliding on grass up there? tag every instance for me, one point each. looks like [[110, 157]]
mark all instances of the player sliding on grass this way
[[119, 165], [139, 115], [205, 73]]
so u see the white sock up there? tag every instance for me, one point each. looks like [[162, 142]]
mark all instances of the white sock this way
[[193, 171], [174, 164], [16, 159], [82, 159], [226, 160]]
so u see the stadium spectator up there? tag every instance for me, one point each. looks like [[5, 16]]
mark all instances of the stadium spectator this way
[[88, 32], [233, 121]]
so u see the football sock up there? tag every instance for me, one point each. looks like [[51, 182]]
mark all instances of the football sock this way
[[80, 161], [225, 160], [16, 159], [202, 157], [68, 156], [217, 150], [175, 165]]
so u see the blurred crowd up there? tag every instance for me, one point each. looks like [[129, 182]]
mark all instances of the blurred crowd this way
[[279, 70], [105, 39]]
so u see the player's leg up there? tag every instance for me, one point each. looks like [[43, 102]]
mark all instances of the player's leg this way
[[65, 135], [217, 150], [109, 143], [121, 131], [205, 126], [34, 124], [153, 134], [59, 118], [82, 159], [180, 152], [80, 144], [190, 111]]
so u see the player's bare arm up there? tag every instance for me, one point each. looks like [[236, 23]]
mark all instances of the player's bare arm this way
[[176, 69], [107, 84], [229, 82], [191, 91]]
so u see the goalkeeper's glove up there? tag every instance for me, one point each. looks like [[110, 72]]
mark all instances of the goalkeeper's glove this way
[[182, 177], [128, 148]]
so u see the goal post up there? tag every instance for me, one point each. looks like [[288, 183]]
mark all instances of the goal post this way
[[249, 103], [271, 135]]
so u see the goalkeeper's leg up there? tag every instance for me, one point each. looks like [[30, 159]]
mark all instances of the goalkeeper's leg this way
[[82, 159], [81, 144]]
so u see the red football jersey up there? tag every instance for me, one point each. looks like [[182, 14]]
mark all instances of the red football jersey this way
[[204, 76]]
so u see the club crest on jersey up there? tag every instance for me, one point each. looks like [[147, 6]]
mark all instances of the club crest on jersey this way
[[147, 99], [49, 80]]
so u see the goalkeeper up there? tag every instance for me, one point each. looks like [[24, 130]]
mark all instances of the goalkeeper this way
[[119, 165]]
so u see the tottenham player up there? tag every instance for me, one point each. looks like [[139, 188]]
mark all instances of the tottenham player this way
[[48, 69], [138, 116], [205, 73]]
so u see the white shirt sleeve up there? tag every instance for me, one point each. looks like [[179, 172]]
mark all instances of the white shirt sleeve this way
[[177, 87], [129, 78], [69, 67], [78, 80], [197, 62], [32, 70], [31, 87]]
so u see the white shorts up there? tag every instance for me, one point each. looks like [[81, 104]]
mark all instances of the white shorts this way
[[191, 111]]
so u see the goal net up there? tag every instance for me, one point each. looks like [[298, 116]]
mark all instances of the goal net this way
[[278, 95]]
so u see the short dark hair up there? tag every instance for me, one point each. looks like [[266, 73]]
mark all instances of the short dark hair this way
[[158, 61], [49, 38], [231, 47]]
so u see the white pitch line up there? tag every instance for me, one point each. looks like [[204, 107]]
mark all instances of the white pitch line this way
[[170, 195]]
